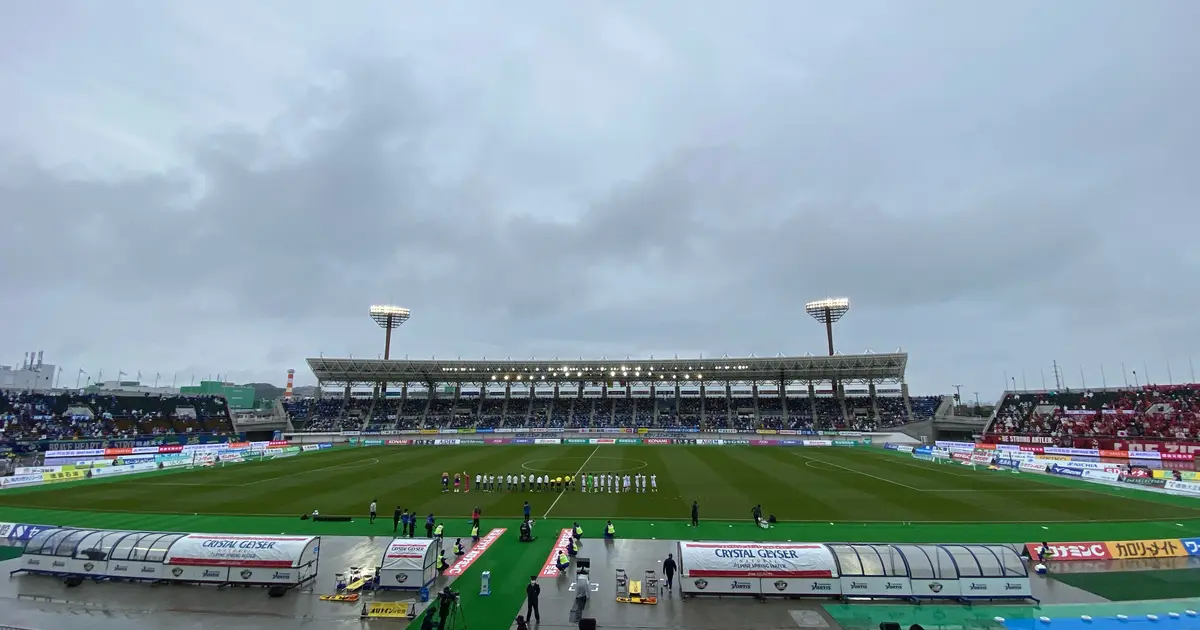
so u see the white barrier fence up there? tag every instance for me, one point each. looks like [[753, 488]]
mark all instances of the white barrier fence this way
[[963, 572], [202, 455]]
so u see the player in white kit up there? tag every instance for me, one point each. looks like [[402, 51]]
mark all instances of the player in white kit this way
[[653, 483]]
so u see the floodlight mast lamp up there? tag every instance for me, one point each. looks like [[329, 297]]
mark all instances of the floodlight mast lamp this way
[[389, 318], [827, 312]]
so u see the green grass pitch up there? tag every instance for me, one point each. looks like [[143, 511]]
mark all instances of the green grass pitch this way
[[818, 485]]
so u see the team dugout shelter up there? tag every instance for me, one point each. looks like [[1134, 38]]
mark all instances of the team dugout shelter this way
[[784, 377]]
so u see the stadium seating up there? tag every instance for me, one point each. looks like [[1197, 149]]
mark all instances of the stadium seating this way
[[64, 416], [741, 412], [1157, 411]]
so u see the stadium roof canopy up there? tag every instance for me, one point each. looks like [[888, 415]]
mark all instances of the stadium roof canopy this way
[[857, 368]]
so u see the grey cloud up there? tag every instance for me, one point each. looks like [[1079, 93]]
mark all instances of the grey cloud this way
[[976, 180]]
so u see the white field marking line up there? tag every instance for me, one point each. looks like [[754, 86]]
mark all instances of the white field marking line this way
[[525, 466], [857, 472], [560, 494], [363, 464], [992, 490], [147, 482], [935, 468]]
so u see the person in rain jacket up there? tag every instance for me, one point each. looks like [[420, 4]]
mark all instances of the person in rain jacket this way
[[609, 531], [669, 568], [458, 548], [563, 561], [437, 533], [577, 532], [442, 565]]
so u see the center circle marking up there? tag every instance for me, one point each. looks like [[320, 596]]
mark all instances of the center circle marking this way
[[532, 465]]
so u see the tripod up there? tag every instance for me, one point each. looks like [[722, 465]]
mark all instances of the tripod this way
[[449, 616]]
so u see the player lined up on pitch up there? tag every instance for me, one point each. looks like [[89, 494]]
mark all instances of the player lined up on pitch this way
[[591, 482]]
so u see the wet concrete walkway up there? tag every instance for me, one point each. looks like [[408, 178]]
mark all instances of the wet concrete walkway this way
[[44, 603]]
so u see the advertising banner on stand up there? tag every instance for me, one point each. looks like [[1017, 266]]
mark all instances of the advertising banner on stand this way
[[241, 551], [755, 559], [1142, 549]]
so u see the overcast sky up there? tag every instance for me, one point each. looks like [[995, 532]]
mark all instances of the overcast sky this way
[[225, 187]]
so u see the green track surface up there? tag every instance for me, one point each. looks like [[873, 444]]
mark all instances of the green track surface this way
[[1127, 586], [868, 617], [820, 495]]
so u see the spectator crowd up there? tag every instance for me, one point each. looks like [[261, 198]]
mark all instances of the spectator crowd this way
[[744, 413], [69, 415], [1170, 412]]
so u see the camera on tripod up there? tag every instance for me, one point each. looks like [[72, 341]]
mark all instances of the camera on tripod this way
[[448, 614]]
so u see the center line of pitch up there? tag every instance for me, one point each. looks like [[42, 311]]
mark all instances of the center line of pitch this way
[[560, 494]]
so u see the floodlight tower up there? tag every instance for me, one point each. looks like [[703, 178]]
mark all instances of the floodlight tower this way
[[828, 311], [389, 318]]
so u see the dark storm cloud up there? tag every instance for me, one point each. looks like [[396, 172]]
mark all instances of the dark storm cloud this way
[[995, 188]]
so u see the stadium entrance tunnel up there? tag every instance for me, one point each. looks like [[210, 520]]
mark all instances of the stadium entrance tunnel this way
[[220, 559]]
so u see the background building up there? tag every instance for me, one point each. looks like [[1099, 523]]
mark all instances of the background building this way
[[238, 396], [28, 378], [129, 387]]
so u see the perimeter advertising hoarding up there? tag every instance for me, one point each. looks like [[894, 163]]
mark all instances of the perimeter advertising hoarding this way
[[1113, 550], [1170, 449], [1151, 482], [1072, 551], [20, 480], [1189, 487]]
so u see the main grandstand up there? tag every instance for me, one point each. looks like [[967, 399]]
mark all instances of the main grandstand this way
[[849, 392]]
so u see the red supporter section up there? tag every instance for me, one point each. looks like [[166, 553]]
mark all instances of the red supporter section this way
[[1151, 422]]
